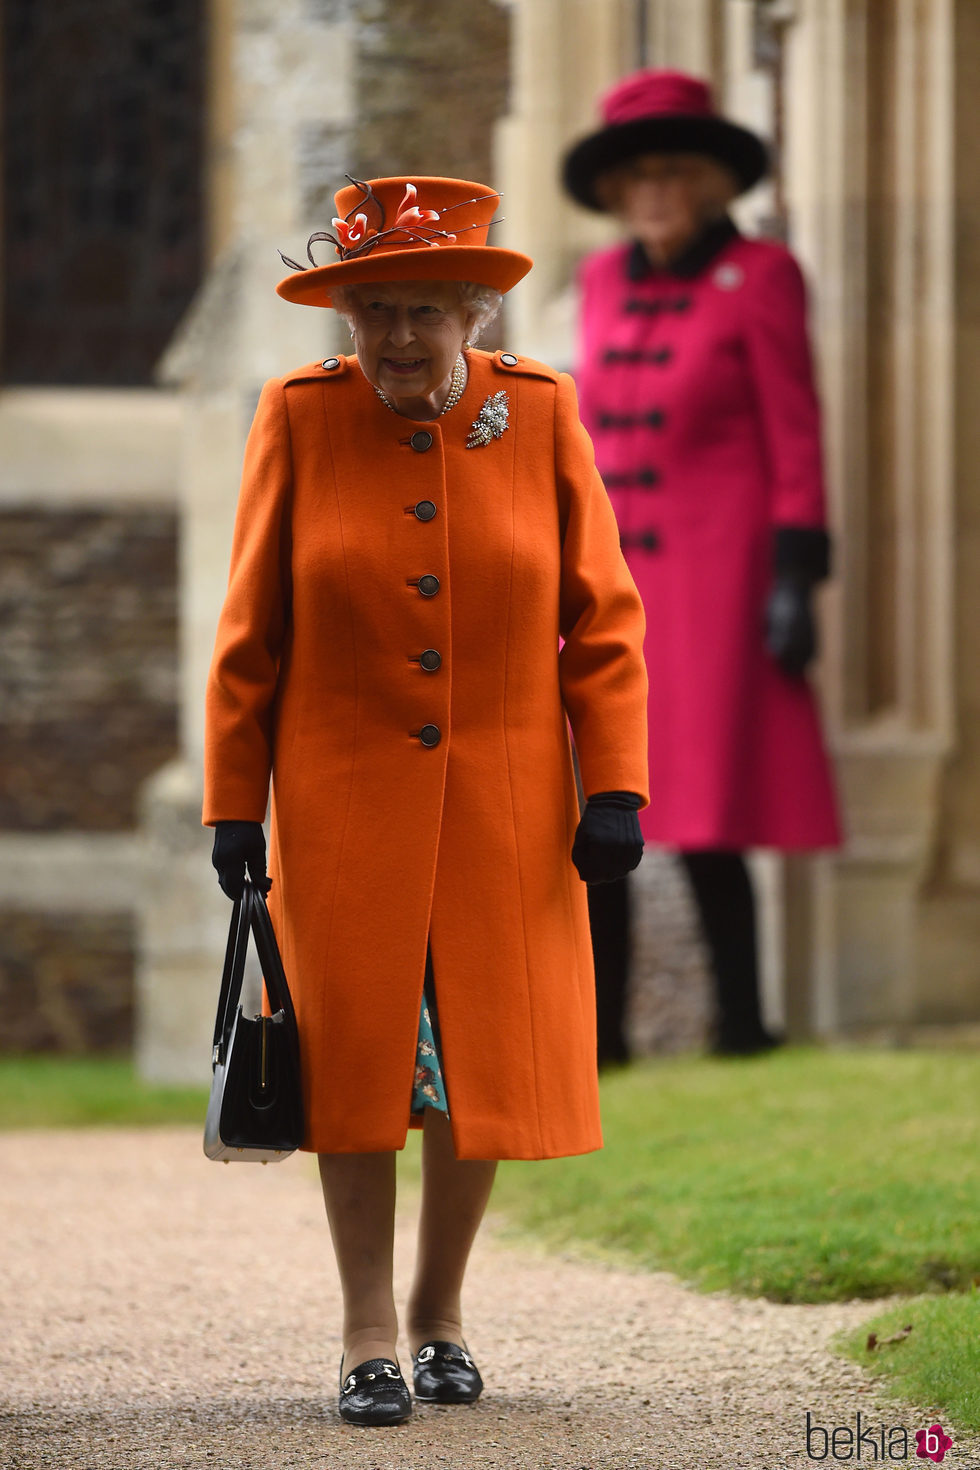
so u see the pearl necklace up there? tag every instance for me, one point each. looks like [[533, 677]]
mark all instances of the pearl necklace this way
[[455, 391]]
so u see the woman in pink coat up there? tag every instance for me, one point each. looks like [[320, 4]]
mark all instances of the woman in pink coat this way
[[696, 384]]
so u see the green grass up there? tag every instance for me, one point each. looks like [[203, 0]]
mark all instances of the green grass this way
[[803, 1176], [937, 1365], [76, 1092]]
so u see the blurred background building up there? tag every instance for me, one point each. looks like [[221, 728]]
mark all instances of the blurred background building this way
[[155, 153]]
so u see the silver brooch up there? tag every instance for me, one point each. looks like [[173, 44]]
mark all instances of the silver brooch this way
[[490, 422], [729, 276]]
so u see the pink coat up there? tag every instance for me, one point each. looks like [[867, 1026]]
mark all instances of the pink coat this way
[[697, 388]]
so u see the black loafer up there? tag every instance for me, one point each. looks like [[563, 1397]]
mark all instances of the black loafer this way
[[375, 1393], [445, 1373]]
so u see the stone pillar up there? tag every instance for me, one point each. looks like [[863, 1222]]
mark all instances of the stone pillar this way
[[873, 173], [948, 949], [687, 34], [563, 54], [283, 79]]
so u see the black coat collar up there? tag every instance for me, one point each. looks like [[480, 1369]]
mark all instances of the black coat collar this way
[[691, 262]]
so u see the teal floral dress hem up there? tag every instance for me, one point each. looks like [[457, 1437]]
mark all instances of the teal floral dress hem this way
[[429, 1090]]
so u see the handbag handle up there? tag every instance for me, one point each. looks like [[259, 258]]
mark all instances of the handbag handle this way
[[250, 914], [269, 958], [233, 973]]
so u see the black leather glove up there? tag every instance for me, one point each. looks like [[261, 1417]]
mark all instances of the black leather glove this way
[[237, 845], [791, 631], [608, 842], [801, 557]]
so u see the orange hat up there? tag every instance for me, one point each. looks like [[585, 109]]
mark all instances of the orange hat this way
[[415, 229]]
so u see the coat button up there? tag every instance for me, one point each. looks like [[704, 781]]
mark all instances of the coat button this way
[[425, 510], [330, 363], [508, 359], [421, 440], [640, 541], [428, 585], [430, 660], [430, 735]]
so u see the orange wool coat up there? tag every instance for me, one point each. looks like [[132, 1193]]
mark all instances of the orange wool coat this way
[[363, 540]]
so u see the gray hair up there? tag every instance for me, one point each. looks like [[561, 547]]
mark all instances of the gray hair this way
[[482, 303]]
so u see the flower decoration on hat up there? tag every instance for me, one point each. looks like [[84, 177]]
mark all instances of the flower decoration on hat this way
[[355, 235], [408, 228], [410, 214], [350, 234]]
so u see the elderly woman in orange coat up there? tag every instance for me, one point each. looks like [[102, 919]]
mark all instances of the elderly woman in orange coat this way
[[426, 590]]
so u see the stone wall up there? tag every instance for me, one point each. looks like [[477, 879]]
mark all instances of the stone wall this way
[[88, 618], [88, 711], [66, 981], [431, 83]]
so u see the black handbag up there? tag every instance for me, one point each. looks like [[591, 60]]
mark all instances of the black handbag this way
[[255, 1111]]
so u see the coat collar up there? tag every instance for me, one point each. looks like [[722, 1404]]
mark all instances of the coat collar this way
[[691, 262]]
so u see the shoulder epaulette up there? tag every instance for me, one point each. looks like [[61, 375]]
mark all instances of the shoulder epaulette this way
[[509, 362], [330, 367]]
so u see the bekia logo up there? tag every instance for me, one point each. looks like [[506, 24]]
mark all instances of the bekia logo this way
[[864, 1442], [933, 1443]]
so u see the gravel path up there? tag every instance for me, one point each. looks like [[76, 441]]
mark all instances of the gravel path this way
[[160, 1310]]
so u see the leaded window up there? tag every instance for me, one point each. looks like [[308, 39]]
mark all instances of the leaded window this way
[[103, 140]]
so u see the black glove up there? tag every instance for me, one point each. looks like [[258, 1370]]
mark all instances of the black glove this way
[[235, 845], [801, 557], [608, 843], [791, 632]]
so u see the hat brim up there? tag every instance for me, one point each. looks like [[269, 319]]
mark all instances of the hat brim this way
[[738, 149], [487, 265]]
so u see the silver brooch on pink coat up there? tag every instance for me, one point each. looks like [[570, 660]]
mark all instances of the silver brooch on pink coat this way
[[729, 276], [490, 422]]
